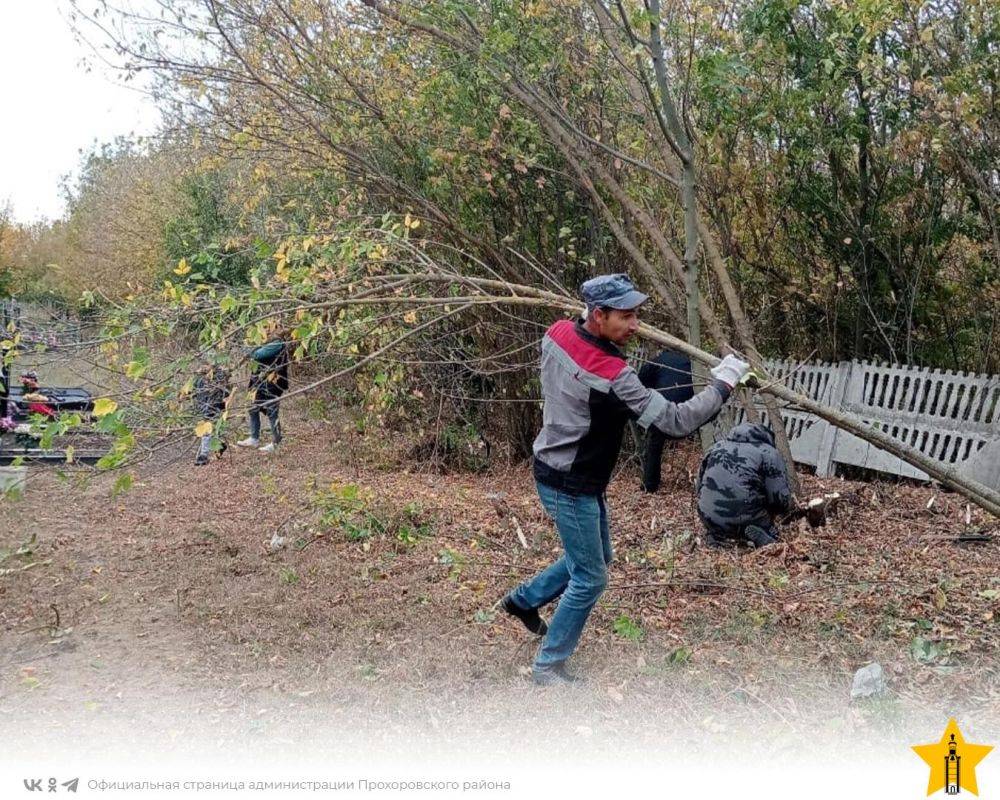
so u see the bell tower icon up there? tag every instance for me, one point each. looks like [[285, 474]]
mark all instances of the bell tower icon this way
[[952, 768]]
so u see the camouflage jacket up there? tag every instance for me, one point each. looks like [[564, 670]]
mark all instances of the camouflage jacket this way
[[211, 388], [742, 479]]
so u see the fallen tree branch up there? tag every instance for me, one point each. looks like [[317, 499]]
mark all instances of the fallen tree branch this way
[[391, 290], [980, 494]]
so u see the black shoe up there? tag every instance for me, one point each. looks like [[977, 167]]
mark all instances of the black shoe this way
[[201, 460], [758, 536], [532, 621], [553, 675], [713, 541]]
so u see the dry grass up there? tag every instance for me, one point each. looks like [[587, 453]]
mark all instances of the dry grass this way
[[386, 607]]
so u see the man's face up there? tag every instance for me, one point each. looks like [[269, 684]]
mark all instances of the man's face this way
[[617, 325]]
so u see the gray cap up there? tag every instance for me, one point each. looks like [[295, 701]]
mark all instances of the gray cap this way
[[612, 291]]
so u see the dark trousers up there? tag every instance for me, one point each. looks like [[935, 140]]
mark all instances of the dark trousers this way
[[652, 458], [721, 535]]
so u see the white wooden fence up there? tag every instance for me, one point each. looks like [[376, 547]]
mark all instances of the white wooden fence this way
[[952, 417]]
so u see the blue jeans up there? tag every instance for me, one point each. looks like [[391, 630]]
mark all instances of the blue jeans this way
[[578, 578], [271, 409]]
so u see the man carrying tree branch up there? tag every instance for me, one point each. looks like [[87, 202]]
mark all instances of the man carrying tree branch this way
[[590, 392]]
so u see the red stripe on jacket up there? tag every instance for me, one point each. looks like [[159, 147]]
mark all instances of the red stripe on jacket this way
[[586, 355]]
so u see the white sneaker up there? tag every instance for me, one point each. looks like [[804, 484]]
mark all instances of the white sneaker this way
[[267, 448], [248, 442]]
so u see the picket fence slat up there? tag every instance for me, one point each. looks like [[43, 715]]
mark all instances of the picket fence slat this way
[[952, 417]]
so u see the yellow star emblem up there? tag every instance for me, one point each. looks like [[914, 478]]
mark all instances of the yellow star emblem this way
[[952, 761]]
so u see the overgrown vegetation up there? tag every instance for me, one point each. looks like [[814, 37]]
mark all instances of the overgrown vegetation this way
[[847, 188]]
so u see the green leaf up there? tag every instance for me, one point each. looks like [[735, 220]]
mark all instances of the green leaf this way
[[111, 423], [134, 370], [122, 484], [628, 628], [72, 420], [777, 580], [924, 650], [110, 461]]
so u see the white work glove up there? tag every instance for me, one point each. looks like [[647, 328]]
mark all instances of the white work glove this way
[[730, 371]]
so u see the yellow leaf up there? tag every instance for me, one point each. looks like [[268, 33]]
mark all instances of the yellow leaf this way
[[105, 406], [203, 428], [183, 268], [410, 317], [134, 370]]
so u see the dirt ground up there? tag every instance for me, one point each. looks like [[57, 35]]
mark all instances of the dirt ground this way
[[165, 618]]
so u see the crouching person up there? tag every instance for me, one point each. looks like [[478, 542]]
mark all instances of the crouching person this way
[[742, 486]]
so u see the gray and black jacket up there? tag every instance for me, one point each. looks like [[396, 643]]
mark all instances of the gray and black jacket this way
[[590, 392], [742, 480], [210, 392]]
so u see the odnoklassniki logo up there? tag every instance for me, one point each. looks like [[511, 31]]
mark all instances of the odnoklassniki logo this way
[[952, 761]]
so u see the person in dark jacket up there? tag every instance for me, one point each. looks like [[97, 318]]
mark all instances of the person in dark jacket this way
[[590, 393], [211, 392], [670, 374], [268, 382], [742, 486], [4, 388]]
